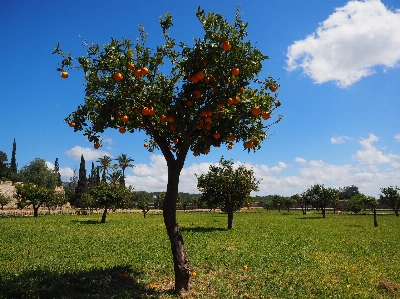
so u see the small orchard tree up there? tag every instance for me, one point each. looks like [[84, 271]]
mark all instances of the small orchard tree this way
[[289, 202], [226, 187], [371, 203], [30, 194], [183, 97], [4, 200], [391, 197], [356, 203], [37, 172], [278, 201], [321, 196], [110, 196], [142, 199]]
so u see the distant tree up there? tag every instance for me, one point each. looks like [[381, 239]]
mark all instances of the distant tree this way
[[226, 187], [289, 202], [105, 165], [278, 201], [82, 185], [4, 170], [110, 196], [304, 201], [13, 163], [57, 201], [115, 176], [348, 192], [142, 199], [4, 200], [371, 203], [124, 162], [320, 196], [57, 170], [391, 197], [38, 173], [356, 203], [159, 201], [70, 187], [35, 195]]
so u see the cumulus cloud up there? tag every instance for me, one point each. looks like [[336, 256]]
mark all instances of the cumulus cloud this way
[[300, 160], [65, 172], [349, 44], [339, 139], [89, 154], [370, 154], [397, 138]]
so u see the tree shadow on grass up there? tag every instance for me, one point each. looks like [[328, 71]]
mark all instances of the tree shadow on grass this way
[[202, 229], [310, 217], [87, 221], [98, 283]]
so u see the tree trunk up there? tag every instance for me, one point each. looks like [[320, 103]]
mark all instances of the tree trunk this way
[[103, 218], [35, 211], [323, 212], [375, 221], [230, 220], [396, 212], [182, 267]]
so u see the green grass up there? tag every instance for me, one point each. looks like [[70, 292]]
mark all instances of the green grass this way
[[288, 256]]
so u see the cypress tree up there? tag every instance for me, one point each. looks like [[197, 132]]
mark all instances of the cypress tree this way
[[57, 170], [13, 164], [82, 186]]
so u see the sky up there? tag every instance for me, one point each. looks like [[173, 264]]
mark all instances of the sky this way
[[337, 61]]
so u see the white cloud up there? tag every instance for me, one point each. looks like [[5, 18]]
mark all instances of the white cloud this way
[[349, 44], [339, 139], [397, 138], [89, 154], [300, 160], [65, 172], [370, 154]]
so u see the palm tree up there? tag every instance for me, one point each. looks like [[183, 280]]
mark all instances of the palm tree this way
[[124, 162], [105, 164]]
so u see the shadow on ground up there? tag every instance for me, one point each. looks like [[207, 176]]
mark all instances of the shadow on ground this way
[[202, 229], [99, 283]]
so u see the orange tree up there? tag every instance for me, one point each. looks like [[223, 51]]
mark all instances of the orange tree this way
[[184, 97], [226, 187]]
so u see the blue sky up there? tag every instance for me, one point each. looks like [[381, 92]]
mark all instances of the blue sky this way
[[337, 63]]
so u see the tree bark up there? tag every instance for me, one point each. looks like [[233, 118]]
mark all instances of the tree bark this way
[[103, 218], [396, 212], [230, 220], [323, 212], [182, 267], [375, 221], [35, 211]]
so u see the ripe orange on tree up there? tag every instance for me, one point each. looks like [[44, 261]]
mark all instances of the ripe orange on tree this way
[[146, 145], [235, 71], [200, 75], [189, 103], [249, 144], [118, 77], [197, 94], [72, 124], [207, 126], [175, 141], [220, 104], [172, 127], [122, 130], [195, 154], [131, 66], [171, 119], [151, 110], [236, 100], [194, 79], [256, 110], [231, 101], [163, 118], [124, 118], [230, 146], [144, 71], [217, 135], [226, 46], [145, 111], [64, 75], [138, 72], [96, 145], [241, 89], [272, 88], [232, 138], [265, 115]]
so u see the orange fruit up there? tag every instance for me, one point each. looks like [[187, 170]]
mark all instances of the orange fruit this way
[[208, 119], [146, 145], [190, 78], [122, 130], [220, 105], [163, 118], [241, 89], [151, 110], [96, 145], [171, 119], [226, 46], [175, 141], [207, 127], [170, 147], [145, 111], [217, 136], [195, 154], [249, 144], [64, 75], [256, 110], [137, 72], [194, 79], [144, 71], [118, 77], [235, 71], [206, 151], [125, 275], [236, 100], [72, 124], [124, 118], [232, 138], [230, 146], [265, 115], [200, 75], [172, 127], [230, 101], [272, 88], [131, 66], [197, 94], [194, 274], [245, 267], [189, 103], [136, 110]]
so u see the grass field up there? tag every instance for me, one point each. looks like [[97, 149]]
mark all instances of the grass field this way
[[288, 256]]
